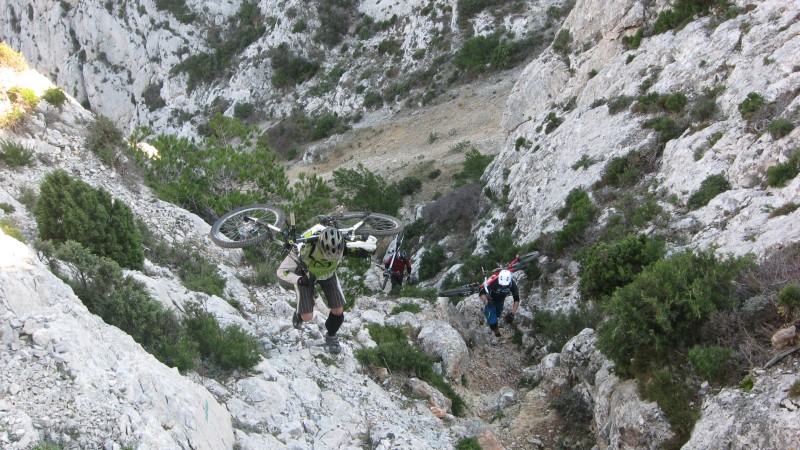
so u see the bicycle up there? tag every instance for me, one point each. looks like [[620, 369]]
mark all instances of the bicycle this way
[[255, 224], [520, 262], [394, 249]]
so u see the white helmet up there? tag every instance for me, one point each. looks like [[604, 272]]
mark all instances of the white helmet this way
[[504, 278], [331, 243]]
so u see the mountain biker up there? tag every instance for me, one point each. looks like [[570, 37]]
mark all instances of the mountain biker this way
[[317, 265], [400, 264], [493, 297]]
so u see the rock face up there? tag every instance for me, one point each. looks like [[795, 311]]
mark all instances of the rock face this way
[[765, 417], [757, 51], [65, 372]]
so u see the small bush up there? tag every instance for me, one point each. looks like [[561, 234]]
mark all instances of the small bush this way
[[455, 210], [789, 296], [784, 210], [666, 127], [675, 398], [70, 210], [632, 42], [474, 165], [229, 348], [406, 307], [608, 266], [468, 443], [55, 96], [794, 390], [779, 128], [409, 185], [552, 121], [373, 100], [779, 174], [104, 140], [711, 362], [11, 58], [618, 104], [557, 328], [396, 354], [574, 409], [15, 155], [23, 97], [10, 229], [579, 211], [709, 188], [7, 207], [431, 262], [660, 311], [751, 105], [361, 190], [563, 42]]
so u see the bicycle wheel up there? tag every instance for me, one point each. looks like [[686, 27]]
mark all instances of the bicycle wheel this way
[[462, 291], [245, 226], [376, 224], [524, 260]]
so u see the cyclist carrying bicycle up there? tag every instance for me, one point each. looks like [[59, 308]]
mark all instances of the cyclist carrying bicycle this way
[[316, 265], [398, 266], [493, 297]]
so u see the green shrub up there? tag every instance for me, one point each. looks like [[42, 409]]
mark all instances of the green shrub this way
[[7, 207], [55, 96], [794, 389], [674, 102], [121, 301], [468, 443], [474, 165], [361, 190], [751, 105], [70, 210], [557, 328], [779, 174], [618, 104], [579, 211], [552, 121], [681, 12], [431, 262], [243, 29], [373, 100], [10, 58], [779, 128], [711, 362], [666, 127], [10, 229], [784, 210], [396, 354], [104, 140], [15, 155], [632, 42], [676, 399], [24, 97], [228, 348], [197, 273], [662, 309], [338, 18], [625, 171], [406, 307], [563, 42], [608, 266], [789, 296], [476, 53], [409, 185], [709, 188], [574, 410]]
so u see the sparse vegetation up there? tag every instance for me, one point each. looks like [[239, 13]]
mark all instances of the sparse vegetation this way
[[709, 188], [55, 96], [14, 154]]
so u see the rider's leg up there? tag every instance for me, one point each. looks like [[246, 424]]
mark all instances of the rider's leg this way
[[334, 298], [305, 302]]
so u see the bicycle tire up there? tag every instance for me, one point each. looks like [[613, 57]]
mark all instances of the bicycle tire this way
[[234, 230], [463, 291], [376, 224], [524, 260]]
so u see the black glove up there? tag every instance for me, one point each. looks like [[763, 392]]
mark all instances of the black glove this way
[[510, 318], [304, 281]]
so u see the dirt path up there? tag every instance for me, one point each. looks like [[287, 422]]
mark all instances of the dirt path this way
[[416, 142]]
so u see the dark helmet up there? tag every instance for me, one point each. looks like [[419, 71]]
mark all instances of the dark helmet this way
[[402, 255], [331, 243]]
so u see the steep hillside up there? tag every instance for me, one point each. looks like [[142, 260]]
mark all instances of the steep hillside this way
[[602, 147]]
